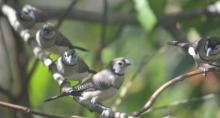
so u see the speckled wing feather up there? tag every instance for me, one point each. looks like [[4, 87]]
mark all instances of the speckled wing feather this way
[[101, 83]]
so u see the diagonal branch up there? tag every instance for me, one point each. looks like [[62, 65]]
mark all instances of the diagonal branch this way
[[148, 105], [187, 101], [102, 42], [7, 93], [28, 110], [66, 13], [126, 18]]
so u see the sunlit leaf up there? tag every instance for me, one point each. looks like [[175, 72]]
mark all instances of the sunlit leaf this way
[[145, 14], [39, 85]]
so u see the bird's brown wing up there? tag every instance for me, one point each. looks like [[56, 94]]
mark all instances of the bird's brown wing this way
[[82, 66], [85, 86], [62, 41], [100, 81]]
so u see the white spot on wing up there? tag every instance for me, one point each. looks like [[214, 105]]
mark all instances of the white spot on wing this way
[[47, 62], [191, 51]]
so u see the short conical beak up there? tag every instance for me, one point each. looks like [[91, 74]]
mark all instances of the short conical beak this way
[[127, 62], [32, 15], [208, 51]]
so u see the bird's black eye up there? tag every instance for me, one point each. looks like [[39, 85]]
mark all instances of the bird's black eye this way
[[120, 63], [46, 31], [26, 13]]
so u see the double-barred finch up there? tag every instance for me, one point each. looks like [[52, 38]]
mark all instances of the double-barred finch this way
[[204, 51], [103, 85], [29, 16], [72, 67], [51, 40]]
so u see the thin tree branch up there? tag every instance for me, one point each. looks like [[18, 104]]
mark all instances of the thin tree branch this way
[[66, 13], [118, 18], [28, 110], [117, 34], [33, 68], [76, 14], [187, 101], [102, 44], [7, 93], [171, 82]]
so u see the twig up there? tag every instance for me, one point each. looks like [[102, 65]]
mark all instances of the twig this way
[[102, 44], [171, 82], [28, 110], [117, 35], [7, 93], [33, 68], [187, 101], [176, 32], [65, 14], [76, 14]]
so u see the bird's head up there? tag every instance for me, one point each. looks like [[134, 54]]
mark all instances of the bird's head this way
[[118, 65], [48, 31], [212, 46], [28, 13], [69, 57]]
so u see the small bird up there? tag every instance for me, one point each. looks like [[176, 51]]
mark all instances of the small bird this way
[[51, 40], [72, 67], [204, 51], [102, 85], [30, 16]]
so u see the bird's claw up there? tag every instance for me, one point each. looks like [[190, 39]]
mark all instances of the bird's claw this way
[[205, 71], [106, 112], [94, 100]]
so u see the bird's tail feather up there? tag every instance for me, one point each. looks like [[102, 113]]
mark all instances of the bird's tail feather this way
[[54, 97], [92, 71], [80, 48], [179, 44], [73, 93]]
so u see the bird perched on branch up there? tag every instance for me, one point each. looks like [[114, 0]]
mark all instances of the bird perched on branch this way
[[51, 40], [204, 51], [72, 67], [29, 16], [103, 84]]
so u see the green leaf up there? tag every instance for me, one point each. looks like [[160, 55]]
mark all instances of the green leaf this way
[[145, 14], [39, 85]]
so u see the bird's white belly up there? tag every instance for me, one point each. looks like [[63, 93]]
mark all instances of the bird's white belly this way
[[107, 93], [101, 94]]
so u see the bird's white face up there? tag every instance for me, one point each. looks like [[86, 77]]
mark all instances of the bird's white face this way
[[212, 48], [28, 14], [70, 58], [119, 65]]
